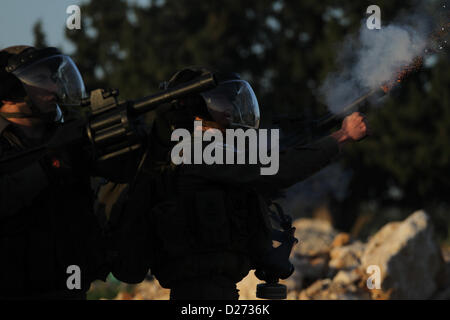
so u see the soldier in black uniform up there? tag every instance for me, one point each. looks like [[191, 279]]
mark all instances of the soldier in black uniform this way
[[48, 230], [210, 224]]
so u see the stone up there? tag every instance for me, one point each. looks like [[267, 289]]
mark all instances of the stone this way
[[315, 236], [408, 257], [315, 289], [347, 277], [307, 269], [346, 257], [326, 289], [295, 282], [311, 255], [340, 240], [310, 267], [150, 290], [247, 286]]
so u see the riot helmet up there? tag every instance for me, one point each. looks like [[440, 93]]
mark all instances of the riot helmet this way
[[232, 104], [44, 78]]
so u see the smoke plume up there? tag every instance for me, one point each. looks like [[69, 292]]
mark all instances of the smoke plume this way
[[371, 58]]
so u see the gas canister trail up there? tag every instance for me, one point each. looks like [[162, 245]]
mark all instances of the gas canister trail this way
[[436, 40]]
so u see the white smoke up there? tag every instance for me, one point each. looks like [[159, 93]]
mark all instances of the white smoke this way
[[370, 59]]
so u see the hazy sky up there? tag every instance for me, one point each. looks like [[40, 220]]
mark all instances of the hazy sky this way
[[17, 18]]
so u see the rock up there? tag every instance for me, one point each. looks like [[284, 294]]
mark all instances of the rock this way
[[292, 295], [310, 267], [295, 282], [311, 255], [340, 240], [409, 259], [247, 286], [327, 289], [150, 290], [346, 257], [315, 236], [315, 289], [307, 270], [347, 277], [123, 296]]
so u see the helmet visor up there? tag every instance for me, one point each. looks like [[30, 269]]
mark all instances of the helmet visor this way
[[53, 80], [233, 104]]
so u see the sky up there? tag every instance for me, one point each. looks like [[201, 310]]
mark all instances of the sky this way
[[17, 18]]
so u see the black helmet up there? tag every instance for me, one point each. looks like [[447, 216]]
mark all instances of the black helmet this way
[[231, 104], [11, 88], [44, 78]]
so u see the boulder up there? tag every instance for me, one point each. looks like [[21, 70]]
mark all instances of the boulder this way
[[315, 236], [150, 290], [409, 259], [346, 257], [340, 240], [307, 270], [327, 289], [347, 277], [311, 255]]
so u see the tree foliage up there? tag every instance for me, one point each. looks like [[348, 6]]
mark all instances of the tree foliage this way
[[39, 35]]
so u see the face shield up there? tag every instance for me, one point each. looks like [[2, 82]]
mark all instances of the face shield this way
[[51, 82], [233, 104]]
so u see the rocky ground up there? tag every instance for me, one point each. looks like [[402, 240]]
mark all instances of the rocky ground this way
[[401, 261]]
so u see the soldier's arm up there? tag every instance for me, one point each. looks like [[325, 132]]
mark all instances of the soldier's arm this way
[[298, 163], [295, 164]]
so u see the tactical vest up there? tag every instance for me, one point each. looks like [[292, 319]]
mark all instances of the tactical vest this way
[[55, 231]]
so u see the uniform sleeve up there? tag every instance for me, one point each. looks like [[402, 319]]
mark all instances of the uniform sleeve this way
[[301, 162], [295, 164], [19, 189]]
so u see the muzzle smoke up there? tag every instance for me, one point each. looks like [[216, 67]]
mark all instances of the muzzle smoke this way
[[371, 58]]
